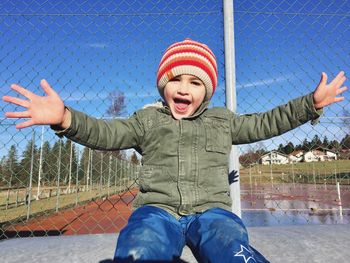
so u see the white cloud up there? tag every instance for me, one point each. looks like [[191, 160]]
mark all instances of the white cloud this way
[[264, 82], [97, 45]]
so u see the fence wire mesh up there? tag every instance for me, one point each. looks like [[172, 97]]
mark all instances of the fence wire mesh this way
[[281, 49], [102, 57]]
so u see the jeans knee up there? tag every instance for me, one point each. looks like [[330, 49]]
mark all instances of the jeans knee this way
[[145, 251]]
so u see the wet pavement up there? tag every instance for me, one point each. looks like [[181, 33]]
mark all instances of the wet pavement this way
[[295, 204]]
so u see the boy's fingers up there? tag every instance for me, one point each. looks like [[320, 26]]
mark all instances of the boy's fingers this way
[[324, 78], [46, 87], [341, 90], [24, 124], [26, 93], [17, 114], [341, 81], [340, 77], [338, 99], [17, 101]]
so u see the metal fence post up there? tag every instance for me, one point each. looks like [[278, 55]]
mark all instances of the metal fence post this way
[[40, 163], [29, 194], [70, 167], [58, 175], [77, 179], [231, 103]]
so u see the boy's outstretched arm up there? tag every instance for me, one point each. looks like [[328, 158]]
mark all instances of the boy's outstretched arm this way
[[327, 94], [40, 110]]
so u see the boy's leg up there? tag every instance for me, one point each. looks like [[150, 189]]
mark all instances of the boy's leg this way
[[151, 234], [218, 235]]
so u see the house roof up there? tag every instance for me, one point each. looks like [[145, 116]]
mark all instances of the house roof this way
[[267, 154], [297, 152]]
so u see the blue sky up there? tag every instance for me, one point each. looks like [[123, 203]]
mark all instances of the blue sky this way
[[280, 48]]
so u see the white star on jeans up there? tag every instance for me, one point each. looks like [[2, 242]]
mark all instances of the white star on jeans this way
[[245, 253]]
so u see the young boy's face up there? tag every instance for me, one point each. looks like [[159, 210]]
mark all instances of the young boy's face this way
[[184, 94]]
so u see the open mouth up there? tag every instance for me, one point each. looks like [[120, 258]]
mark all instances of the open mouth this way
[[181, 104]]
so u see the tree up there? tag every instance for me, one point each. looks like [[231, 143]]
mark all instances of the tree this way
[[46, 164], [306, 145], [69, 161], [289, 148], [10, 167], [315, 142], [26, 163], [84, 166], [57, 162], [117, 108], [280, 148], [345, 142], [326, 143], [335, 146], [250, 157]]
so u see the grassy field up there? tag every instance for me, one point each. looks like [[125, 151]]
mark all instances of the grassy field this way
[[50, 204], [314, 172]]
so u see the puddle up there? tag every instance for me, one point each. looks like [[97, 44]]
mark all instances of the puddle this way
[[287, 204]]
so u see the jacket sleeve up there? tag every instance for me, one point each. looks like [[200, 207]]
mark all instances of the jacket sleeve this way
[[254, 127], [100, 134]]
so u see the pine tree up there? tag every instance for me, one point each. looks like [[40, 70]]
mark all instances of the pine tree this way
[[280, 148], [10, 167], [26, 163], [326, 143], [66, 158], [289, 148], [84, 166], [46, 163], [316, 142], [55, 161], [306, 145], [345, 142]]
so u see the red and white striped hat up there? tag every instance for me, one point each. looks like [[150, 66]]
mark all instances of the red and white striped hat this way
[[192, 58]]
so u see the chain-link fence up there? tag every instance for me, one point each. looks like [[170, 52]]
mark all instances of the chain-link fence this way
[[102, 57], [301, 177]]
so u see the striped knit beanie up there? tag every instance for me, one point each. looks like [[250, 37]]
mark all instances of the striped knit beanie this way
[[192, 58]]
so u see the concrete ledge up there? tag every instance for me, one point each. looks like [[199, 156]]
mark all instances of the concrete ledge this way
[[309, 243]]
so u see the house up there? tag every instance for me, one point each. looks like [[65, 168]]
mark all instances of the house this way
[[274, 157], [296, 156], [330, 156], [314, 156], [319, 156]]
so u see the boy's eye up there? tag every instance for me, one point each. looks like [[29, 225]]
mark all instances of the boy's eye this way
[[196, 83], [175, 79]]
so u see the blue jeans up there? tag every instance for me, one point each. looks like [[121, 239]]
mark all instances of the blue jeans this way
[[154, 235]]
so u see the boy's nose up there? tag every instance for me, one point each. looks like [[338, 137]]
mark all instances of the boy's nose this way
[[183, 88]]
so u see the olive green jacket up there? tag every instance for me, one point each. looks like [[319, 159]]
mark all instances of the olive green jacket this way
[[185, 162]]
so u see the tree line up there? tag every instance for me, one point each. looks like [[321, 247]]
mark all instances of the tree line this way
[[64, 161]]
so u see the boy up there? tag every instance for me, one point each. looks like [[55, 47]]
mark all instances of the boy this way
[[183, 197]]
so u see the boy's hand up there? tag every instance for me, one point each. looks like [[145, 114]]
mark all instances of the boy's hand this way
[[47, 110], [326, 94]]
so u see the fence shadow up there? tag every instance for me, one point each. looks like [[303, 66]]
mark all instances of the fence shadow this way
[[4, 234]]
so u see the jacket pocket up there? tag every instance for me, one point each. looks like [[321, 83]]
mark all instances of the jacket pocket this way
[[153, 122], [217, 135], [156, 179], [215, 187], [217, 180]]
